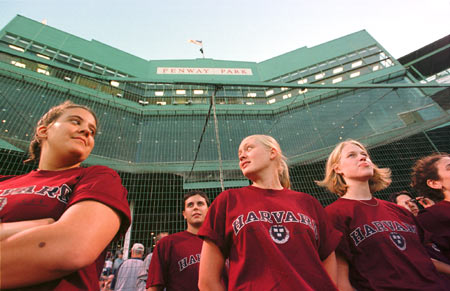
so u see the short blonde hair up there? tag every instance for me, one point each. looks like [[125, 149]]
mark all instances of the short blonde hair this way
[[271, 143], [335, 183]]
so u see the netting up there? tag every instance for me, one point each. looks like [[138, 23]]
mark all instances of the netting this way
[[161, 152]]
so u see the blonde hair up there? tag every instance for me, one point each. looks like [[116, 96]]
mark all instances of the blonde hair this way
[[335, 183], [271, 143]]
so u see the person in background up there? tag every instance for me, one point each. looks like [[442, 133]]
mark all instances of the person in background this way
[[274, 238], [175, 259], [405, 200], [128, 271], [117, 261], [143, 273], [58, 220], [431, 178], [382, 247]]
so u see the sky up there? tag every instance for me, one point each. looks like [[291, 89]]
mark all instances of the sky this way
[[238, 30]]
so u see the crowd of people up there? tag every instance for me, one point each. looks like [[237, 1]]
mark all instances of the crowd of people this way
[[58, 220]]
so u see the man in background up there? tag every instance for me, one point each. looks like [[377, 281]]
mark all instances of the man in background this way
[[176, 258], [129, 269]]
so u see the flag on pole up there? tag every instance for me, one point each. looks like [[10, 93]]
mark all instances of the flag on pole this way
[[197, 42]]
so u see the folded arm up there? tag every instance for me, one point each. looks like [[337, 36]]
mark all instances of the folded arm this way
[[48, 252], [7, 229]]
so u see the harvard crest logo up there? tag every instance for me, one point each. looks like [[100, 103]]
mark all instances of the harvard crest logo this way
[[398, 240], [279, 234]]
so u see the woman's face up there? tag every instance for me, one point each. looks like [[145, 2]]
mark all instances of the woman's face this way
[[253, 157], [354, 164], [443, 169], [71, 133]]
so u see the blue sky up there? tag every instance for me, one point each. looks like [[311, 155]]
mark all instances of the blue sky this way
[[241, 30]]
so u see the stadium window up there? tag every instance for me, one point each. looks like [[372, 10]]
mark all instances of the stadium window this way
[[180, 92], [302, 91], [319, 76], [42, 56], [286, 96], [159, 93], [18, 64], [337, 80], [114, 83], [355, 74], [338, 70], [375, 68], [42, 71], [302, 81], [198, 92], [251, 94], [271, 101], [250, 103], [284, 88], [16, 48], [161, 102], [269, 92], [357, 64]]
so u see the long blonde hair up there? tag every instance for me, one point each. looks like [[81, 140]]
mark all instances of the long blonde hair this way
[[335, 183], [271, 143]]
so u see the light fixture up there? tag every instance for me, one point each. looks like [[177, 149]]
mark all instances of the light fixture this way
[[180, 92], [251, 94], [302, 81], [337, 80], [114, 83], [159, 93], [320, 76], [42, 71], [271, 101], [356, 64], [355, 74], [269, 92], [42, 56], [16, 48], [198, 92], [18, 64], [338, 70]]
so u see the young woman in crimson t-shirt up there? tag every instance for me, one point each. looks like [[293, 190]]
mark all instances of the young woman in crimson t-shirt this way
[[274, 238], [58, 219], [431, 178], [382, 246]]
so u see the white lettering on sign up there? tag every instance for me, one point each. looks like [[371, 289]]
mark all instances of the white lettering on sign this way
[[204, 71]]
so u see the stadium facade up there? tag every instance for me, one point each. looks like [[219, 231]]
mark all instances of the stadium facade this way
[[168, 126]]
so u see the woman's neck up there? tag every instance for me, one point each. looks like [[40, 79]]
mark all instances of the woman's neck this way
[[358, 191]]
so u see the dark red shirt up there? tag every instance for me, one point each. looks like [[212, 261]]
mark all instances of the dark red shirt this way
[[44, 194], [175, 262], [274, 239], [383, 246], [436, 220]]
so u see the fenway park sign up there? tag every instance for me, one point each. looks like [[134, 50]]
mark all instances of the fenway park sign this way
[[204, 71]]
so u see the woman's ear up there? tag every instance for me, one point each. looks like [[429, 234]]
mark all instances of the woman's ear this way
[[273, 153], [41, 132], [434, 184], [337, 170]]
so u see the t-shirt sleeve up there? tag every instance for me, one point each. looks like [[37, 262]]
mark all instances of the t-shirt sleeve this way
[[430, 222], [338, 221], [104, 185], [158, 270], [213, 227], [329, 236]]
